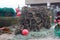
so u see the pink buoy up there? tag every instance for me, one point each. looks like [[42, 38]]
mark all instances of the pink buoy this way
[[2, 28], [55, 21], [25, 32]]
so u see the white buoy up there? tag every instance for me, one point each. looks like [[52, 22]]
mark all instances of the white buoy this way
[[48, 5]]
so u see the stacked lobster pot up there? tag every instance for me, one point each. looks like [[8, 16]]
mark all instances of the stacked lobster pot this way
[[34, 19]]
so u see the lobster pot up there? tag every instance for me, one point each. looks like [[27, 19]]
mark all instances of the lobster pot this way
[[35, 18]]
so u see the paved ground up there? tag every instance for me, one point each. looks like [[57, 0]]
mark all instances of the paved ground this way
[[6, 36], [10, 37], [43, 35]]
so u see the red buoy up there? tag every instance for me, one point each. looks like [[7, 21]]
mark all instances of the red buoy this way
[[18, 14], [17, 10], [58, 20], [25, 32]]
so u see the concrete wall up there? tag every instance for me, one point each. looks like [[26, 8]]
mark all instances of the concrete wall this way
[[40, 1]]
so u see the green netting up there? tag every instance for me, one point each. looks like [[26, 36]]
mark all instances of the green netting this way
[[7, 16], [57, 31], [7, 12], [41, 34]]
